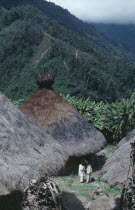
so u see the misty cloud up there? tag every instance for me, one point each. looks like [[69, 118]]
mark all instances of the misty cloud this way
[[105, 11]]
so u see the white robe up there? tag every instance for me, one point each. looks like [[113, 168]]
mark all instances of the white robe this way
[[88, 173], [81, 171], [88, 169]]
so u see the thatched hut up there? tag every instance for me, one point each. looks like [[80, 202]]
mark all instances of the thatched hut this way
[[126, 139], [62, 121], [116, 168], [26, 152]]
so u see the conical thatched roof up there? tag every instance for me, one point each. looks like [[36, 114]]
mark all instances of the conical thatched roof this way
[[26, 151], [63, 122], [117, 166]]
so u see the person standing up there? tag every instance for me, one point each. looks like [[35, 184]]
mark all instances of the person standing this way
[[88, 172], [82, 171]]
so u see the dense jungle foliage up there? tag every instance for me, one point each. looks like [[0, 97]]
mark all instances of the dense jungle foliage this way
[[37, 36], [82, 60], [93, 37], [124, 33], [114, 120]]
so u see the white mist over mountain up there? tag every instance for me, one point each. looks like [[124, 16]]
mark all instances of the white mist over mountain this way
[[104, 11]]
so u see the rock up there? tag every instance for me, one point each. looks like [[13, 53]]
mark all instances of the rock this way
[[105, 203], [98, 192], [87, 207], [71, 202], [93, 179]]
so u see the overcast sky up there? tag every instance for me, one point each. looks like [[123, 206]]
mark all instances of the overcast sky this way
[[106, 11]]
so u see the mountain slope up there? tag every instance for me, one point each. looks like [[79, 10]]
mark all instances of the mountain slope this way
[[85, 30], [121, 33], [31, 43]]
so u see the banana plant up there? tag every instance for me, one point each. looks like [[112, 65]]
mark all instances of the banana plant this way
[[114, 120]]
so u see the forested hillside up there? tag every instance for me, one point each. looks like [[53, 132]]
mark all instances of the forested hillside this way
[[83, 62], [124, 33], [96, 40]]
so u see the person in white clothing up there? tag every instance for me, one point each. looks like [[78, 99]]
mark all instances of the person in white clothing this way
[[88, 172], [82, 171]]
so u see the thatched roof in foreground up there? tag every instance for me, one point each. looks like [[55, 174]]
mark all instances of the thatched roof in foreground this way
[[63, 122], [126, 139], [117, 166], [26, 151]]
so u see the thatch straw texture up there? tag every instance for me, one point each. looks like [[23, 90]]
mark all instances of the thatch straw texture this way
[[126, 139], [117, 166], [63, 122], [26, 151]]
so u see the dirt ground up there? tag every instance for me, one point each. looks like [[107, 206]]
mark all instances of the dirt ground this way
[[93, 196], [96, 195]]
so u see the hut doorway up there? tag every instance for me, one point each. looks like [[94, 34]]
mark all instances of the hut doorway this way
[[73, 162]]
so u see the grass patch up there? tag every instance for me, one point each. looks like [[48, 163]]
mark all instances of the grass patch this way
[[71, 184], [81, 194], [110, 148]]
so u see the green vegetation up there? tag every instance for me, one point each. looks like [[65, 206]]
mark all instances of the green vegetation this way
[[110, 148], [123, 33], [71, 184], [114, 120], [91, 37], [83, 62]]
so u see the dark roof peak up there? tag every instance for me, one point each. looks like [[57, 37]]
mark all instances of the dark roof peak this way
[[45, 81]]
